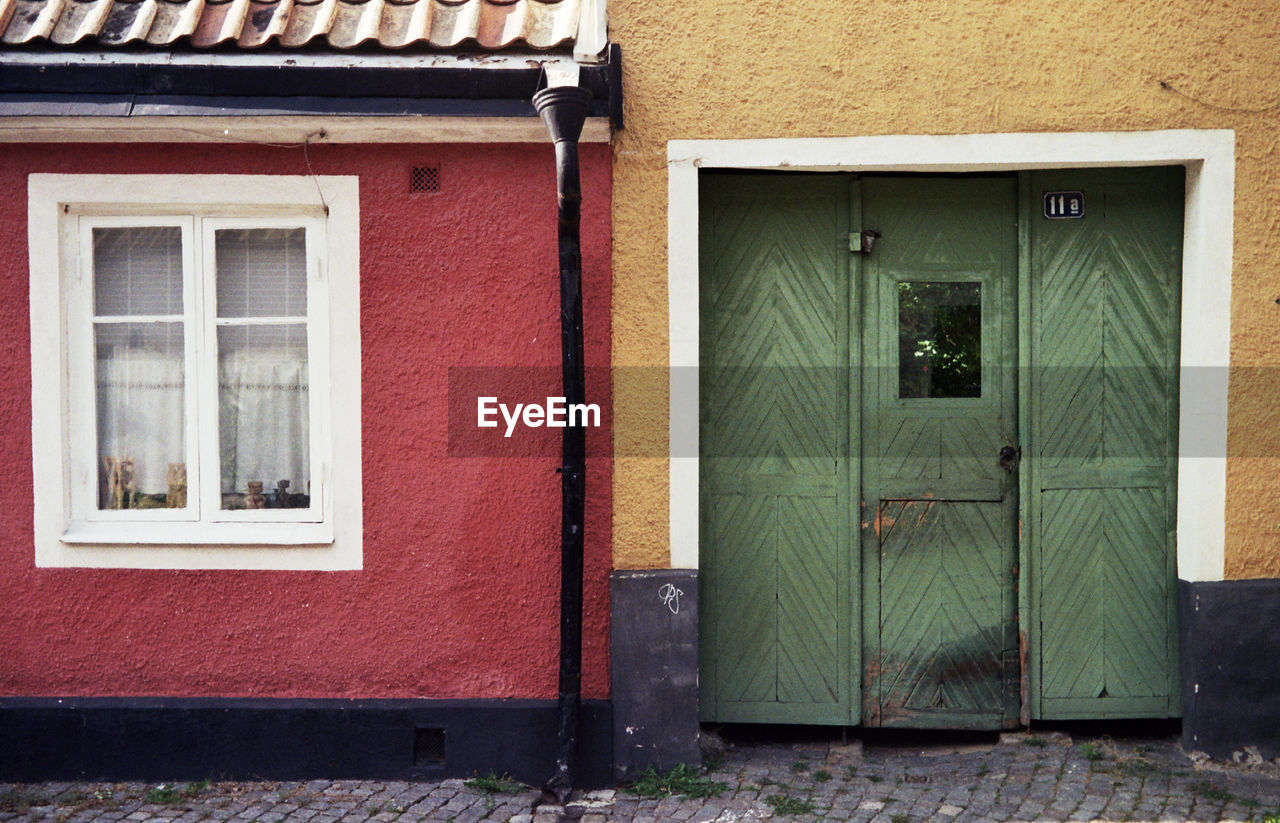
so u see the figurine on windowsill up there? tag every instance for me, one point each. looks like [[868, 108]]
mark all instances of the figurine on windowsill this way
[[119, 488], [176, 479], [288, 499], [282, 494], [256, 499]]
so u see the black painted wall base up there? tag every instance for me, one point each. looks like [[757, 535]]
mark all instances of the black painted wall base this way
[[654, 661], [1231, 667], [158, 739]]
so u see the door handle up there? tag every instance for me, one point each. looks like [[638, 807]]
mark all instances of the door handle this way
[[1009, 458]]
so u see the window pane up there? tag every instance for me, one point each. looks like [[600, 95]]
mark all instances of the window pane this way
[[939, 339], [141, 418], [262, 272], [264, 425], [137, 271]]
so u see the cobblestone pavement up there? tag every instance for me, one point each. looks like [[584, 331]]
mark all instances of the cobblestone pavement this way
[[1026, 777]]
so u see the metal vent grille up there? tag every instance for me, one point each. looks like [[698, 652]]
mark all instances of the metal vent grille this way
[[428, 747], [424, 180]]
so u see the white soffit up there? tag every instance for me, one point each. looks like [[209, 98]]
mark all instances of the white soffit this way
[[313, 129]]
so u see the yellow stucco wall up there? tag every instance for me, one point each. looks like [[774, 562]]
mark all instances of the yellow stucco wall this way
[[819, 68]]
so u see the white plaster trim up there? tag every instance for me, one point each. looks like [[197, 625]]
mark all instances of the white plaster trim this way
[[284, 129], [337, 543], [682, 325], [1209, 156]]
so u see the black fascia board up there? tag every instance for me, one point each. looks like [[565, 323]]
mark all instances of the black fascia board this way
[[332, 106], [472, 90], [62, 105]]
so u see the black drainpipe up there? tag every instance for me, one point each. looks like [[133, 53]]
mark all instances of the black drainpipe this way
[[564, 110]]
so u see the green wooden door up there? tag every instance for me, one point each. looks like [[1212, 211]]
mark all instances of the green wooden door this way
[[860, 539], [778, 619], [1104, 302], [939, 404]]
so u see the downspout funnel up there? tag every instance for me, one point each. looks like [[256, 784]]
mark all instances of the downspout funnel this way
[[564, 110]]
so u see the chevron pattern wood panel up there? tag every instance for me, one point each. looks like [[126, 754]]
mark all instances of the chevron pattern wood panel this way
[[774, 385], [776, 601], [808, 604], [948, 450], [1105, 350], [744, 602], [1069, 374], [773, 310], [1103, 378], [912, 449], [941, 224], [968, 444], [1106, 614], [942, 640]]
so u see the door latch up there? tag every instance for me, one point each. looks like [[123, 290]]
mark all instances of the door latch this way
[[862, 242], [1010, 457]]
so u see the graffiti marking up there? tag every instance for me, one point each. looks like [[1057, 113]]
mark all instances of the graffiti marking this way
[[670, 597]]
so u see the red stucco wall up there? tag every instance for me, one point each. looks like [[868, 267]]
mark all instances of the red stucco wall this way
[[458, 597]]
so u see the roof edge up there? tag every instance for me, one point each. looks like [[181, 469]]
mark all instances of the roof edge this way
[[246, 59], [336, 85]]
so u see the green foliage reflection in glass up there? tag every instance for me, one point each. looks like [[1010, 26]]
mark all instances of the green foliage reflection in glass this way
[[939, 339]]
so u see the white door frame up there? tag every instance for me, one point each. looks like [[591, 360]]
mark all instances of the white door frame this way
[[1209, 157]]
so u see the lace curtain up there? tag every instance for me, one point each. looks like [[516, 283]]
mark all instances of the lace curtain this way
[[262, 417], [262, 420]]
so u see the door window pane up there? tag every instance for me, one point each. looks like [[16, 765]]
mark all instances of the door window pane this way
[[141, 417], [939, 339]]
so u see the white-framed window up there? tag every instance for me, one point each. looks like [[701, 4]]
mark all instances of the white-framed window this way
[[195, 371]]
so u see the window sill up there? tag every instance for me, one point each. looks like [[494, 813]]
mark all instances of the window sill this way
[[197, 534]]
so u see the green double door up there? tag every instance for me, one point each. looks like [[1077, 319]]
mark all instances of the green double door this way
[[868, 396]]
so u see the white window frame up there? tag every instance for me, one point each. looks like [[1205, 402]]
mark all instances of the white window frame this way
[[82, 400], [328, 536]]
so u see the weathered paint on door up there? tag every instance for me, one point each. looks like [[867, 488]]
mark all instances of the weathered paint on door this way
[[883, 387], [1104, 296], [778, 621], [939, 403]]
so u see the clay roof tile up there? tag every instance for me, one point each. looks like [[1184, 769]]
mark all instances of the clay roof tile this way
[[127, 21], [252, 24], [266, 19], [80, 19], [174, 20]]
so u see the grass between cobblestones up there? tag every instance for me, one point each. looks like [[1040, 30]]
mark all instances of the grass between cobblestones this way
[[492, 783], [785, 804], [681, 780], [164, 794]]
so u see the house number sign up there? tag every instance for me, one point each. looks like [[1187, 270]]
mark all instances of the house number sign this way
[[1063, 205]]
